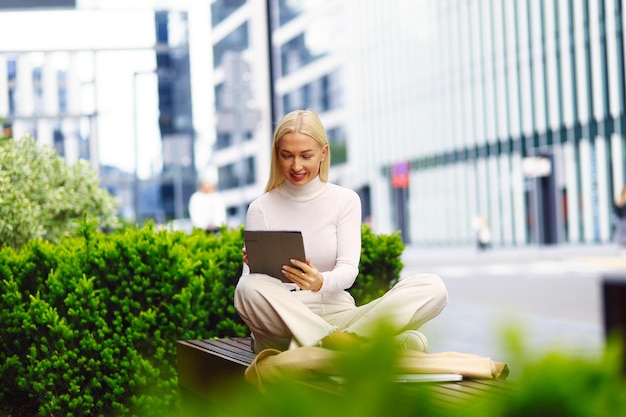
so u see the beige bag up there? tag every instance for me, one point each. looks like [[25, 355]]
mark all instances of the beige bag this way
[[271, 366]]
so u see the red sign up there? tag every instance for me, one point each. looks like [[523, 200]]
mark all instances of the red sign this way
[[400, 175]]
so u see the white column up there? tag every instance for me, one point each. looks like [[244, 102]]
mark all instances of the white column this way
[[4, 87], [571, 177], [585, 179], [603, 192], [94, 144], [519, 208], [505, 191], [50, 105], [70, 126], [24, 97], [201, 73]]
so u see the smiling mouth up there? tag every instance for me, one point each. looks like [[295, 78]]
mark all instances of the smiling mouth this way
[[299, 176]]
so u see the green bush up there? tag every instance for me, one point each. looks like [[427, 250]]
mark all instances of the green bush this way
[[40, 193], [89, 325], [380, 266]]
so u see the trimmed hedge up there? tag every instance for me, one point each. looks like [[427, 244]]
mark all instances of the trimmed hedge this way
[[380, 265], [90, 324]]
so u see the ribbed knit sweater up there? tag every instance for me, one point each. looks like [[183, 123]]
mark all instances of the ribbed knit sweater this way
[[329, 217]]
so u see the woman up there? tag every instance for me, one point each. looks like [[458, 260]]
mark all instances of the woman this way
[[619, 207], [315, 309]]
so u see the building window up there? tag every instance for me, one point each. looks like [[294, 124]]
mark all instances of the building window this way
[[11, 69], [221, 9], [11, 101], [326, 96], [323, 94], [338, 148], [62, 91], [286, 12], [59, 141], [290, 9], [332, 90], [321, 38], [231, 176], [219, 93], [250, 170], [223, 140], [291, 53], [37, 91], [298, 53], [236, 41]]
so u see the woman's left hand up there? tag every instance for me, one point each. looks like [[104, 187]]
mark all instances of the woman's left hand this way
[[244, 253], [304, 275]]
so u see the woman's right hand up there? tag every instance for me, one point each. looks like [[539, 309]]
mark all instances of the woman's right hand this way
[[244, 252]]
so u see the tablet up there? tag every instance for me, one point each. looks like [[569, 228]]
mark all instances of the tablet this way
[[269, 250]]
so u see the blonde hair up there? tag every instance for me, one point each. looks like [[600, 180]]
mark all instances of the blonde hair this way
[[298, 121]]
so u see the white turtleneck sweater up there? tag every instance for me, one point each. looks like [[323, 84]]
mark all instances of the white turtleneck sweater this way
[[329, 217]]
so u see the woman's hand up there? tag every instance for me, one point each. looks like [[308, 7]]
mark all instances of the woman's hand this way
[[304, 275], [244, 252]]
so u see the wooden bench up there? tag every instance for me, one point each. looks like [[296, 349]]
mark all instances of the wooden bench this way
[[209, 369]]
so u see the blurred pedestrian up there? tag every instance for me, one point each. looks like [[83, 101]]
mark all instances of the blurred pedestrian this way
[[619, 208], [206, 207], [483, 232]]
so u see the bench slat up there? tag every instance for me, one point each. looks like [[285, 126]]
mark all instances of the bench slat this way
[[237, 351]]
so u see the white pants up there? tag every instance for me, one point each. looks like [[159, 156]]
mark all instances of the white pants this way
[[282, 319]]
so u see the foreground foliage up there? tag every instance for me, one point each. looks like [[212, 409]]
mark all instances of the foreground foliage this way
[[546, 384]]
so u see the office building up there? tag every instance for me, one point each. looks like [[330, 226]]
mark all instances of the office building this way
[[242, 101], [178, 176], [509, 110], [52, 93], [450, 110]]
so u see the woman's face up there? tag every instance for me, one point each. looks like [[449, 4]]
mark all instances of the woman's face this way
[[299, 157]]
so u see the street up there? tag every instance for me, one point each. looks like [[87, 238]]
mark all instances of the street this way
[[551, 295]]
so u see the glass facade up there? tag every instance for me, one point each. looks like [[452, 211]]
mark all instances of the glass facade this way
[[231, 175], [478, 96], [521, 81], [178, 176], [241, 49], [324, 94], [319, 38]]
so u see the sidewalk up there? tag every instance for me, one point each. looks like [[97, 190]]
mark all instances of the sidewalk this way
[[431, 255], [473, 326]]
